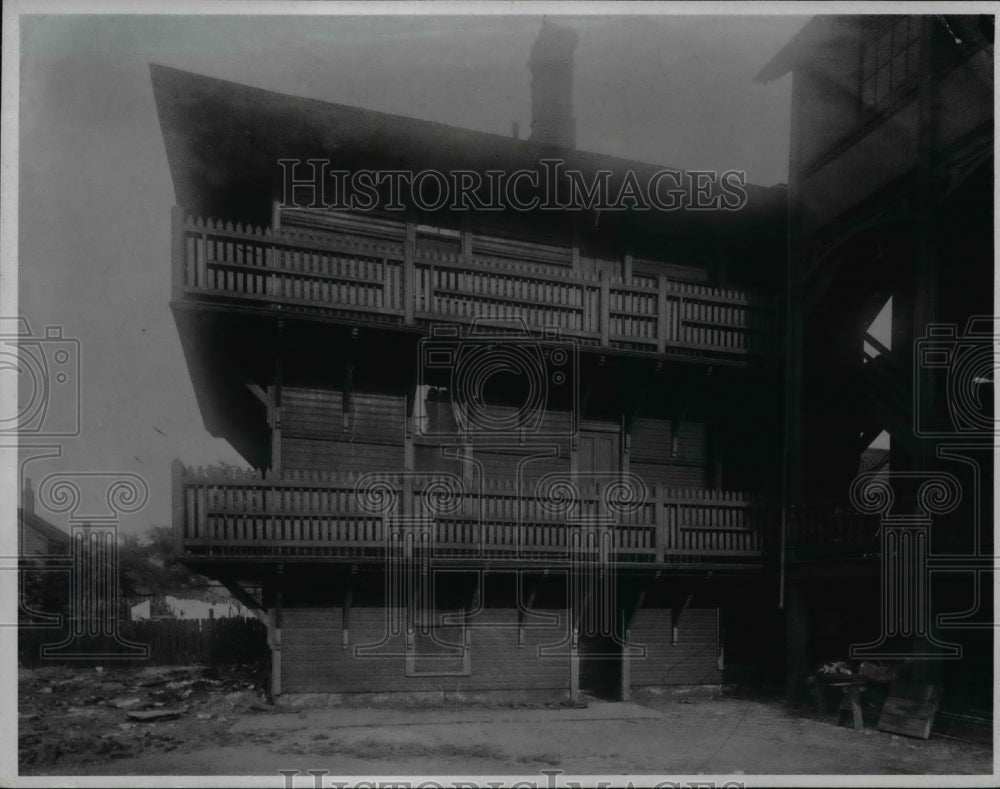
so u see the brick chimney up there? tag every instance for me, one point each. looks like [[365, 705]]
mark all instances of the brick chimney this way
[[551, 64]]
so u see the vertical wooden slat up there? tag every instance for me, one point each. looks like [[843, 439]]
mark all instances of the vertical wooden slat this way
[[605, 309]]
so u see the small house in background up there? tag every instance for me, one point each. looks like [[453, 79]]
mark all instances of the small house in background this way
[[214, 603], [36, 537], [44, 562]]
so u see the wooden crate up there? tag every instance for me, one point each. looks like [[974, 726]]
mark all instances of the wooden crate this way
[[910, 709]]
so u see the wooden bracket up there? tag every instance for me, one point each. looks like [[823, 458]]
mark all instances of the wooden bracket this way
[[476, 598], [677, 610], [274, 419], [260, 394], [675, 617], [675, 427], [638, 603], [521, 613], [579, 614], [254, 605]]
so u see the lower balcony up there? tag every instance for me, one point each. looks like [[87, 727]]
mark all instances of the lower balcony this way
[[255, 516], [835, 531]]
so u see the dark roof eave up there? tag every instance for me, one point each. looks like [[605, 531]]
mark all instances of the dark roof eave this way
[[223, 140], [790, 55]]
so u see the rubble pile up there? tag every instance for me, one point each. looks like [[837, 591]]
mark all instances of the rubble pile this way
[[82, 715]]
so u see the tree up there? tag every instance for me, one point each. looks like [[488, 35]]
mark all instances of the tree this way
[[150, 568]]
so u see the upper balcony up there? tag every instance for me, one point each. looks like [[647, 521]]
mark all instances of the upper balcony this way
[[385, 273]]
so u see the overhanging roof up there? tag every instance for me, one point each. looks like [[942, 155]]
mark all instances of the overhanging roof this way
[[790, 55], [224, 140]]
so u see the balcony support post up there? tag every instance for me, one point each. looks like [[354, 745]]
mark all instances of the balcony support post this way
[[409, 273], [720, 631], [796, 640], [659, 521], [574, 665], [274, 396], [626, 689], [522, 612], [408, 451], [276, 613], [661, 314], [605, 309]]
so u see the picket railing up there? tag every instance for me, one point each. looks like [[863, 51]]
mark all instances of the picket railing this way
[[400, 277], [305, 514], [831, 529]]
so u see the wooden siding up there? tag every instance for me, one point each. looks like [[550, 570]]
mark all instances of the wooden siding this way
[[544, 450], [315, 435], [652, 456], [314, 659], [691, 661], [518, 463]]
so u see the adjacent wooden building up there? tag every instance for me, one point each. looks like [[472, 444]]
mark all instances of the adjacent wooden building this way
[[891, 209]]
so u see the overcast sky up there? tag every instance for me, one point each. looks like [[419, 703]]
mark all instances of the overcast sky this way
[[95, 191]]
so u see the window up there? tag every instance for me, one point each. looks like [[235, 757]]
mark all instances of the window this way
[[890, 56]]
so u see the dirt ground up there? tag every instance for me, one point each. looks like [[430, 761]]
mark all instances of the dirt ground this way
[[202, 722]]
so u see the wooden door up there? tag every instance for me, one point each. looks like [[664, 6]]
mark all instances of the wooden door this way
[[598, 452]]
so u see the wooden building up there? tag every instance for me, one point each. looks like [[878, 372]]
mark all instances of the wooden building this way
[[518, 452], [891, 208]]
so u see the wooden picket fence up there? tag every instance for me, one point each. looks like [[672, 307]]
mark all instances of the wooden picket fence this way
[[170, 642]]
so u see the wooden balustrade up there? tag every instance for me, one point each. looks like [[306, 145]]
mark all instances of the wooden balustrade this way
[[831, 529], [389, 278], [252, 514]]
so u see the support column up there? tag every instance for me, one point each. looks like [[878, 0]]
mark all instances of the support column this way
[[626, 690], [796, 641], [409, 273], [574, 665], [605, 308], [275, 628], [274, 397], [791, 473]]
